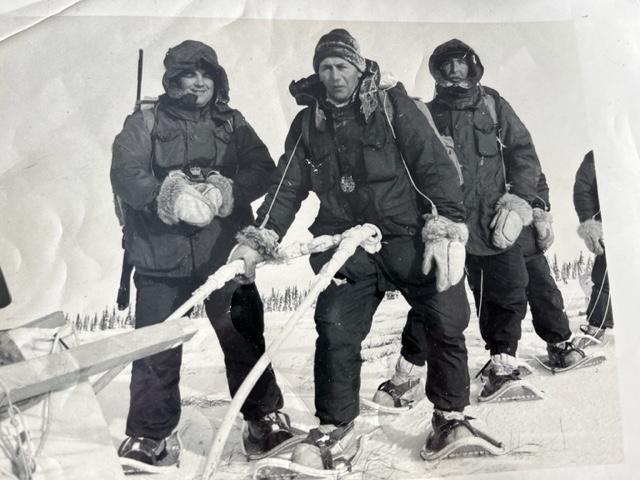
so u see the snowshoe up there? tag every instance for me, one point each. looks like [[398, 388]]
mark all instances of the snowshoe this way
[[507, 387], [144, 455], [390, 398], [319, 455], [590, 335], [452, 435], [566, 356], [269, 436]]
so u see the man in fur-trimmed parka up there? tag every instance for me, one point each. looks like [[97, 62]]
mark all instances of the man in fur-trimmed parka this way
[[500, 171], [186, 172], [587, 205], [353, 156]]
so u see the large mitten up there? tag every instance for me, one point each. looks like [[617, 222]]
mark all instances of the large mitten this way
[[254, 246], [591, 232], [444, 242], [180, 200], [543, 223], [224, 187], [512, 214]]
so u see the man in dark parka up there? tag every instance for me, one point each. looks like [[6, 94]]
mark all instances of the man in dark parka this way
[[587, 205], [354, 157]]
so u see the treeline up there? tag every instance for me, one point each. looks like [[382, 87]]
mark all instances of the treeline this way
[[573, 269], [286, 300], [290, 298]]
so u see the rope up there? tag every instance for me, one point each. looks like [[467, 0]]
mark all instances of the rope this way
[[18, 444], [434, 210], [275, 195]]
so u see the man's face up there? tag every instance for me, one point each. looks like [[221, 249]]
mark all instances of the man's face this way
[[455, 69], [198, 82], [339, 77]]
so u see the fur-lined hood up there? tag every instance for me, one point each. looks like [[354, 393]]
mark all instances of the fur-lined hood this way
[[190, 55], [455, 47]]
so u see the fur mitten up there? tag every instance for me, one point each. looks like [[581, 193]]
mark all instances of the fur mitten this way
[[591, 232], [512, 214], [543, 224], [180, 200], [255, 245], [225, 187], [444, 242]]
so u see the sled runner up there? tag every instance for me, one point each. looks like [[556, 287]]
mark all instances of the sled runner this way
[[588, 361]]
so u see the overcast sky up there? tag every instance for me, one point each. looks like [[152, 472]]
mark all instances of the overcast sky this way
[[71, 81]]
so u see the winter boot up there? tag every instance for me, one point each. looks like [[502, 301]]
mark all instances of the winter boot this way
[[327, 447], [452, 435], [564, 354], [145, 455], [267, 435], [590, 335], [403, 388], [503, 382]]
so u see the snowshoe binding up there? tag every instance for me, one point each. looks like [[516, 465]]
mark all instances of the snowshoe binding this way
[[503, 382], [322, 454], [398, 394], [566, 356], [270, 435], [589, 336], [145, 455], [391, 398], [452, 435]]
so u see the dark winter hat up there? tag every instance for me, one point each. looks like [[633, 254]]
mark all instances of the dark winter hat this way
[[338, 43], [190, 55], [455, 49]]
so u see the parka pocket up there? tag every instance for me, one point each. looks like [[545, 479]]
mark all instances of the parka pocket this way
[[486, 135], [381, 159], [226, 158], [169, 149]]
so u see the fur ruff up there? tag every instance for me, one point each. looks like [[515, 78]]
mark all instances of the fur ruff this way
[[441, 227], [590, 229], [263, 240], [225, 186], [514, 203], [542, 216]]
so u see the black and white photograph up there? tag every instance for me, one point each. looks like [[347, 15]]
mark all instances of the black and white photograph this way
[[275, 240]]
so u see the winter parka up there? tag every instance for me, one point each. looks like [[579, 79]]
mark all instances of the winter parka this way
[[359, 141], [216, 137], [585, 190], [463, 115]]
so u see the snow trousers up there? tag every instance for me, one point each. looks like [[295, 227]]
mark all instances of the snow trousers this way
[[502, 286], [499, 284], [545, 299], [599, 311], [344, 315], [236, 315]]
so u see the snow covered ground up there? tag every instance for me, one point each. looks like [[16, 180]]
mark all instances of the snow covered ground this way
[[578, 422]]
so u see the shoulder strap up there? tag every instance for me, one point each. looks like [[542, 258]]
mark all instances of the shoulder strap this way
[[149, 115], [306, 122], [490, 103]]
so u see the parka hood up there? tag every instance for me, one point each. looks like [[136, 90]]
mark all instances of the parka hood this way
[[190, 55], [458, 48]]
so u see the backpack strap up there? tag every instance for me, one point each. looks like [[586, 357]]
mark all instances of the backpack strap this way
[[149, 111], [490, 102], [306, 123]]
